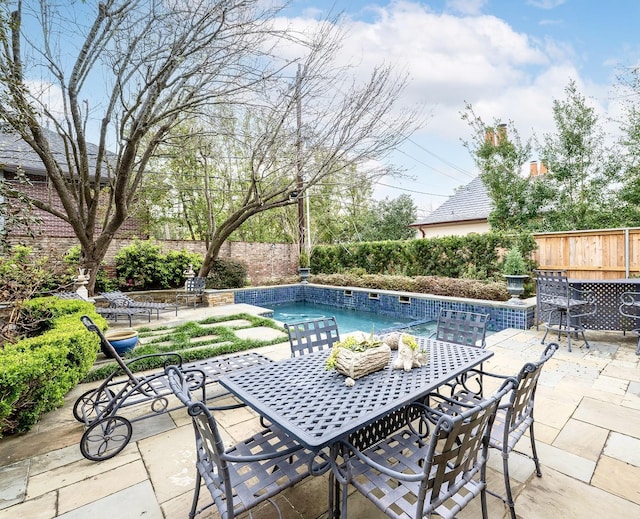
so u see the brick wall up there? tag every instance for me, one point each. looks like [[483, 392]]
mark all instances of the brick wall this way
[[263, 260], [54, 226]]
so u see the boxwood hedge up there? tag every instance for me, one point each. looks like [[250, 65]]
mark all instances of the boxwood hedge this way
[[37, 372]]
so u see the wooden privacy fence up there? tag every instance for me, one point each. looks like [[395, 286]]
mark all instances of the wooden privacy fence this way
[[592, 254]]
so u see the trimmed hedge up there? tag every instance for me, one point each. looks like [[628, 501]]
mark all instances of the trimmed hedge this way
[[434, 285], [37, 372], [449, 256]]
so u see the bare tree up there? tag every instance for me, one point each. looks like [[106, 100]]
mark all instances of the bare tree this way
[[321, 126], [138, 68]]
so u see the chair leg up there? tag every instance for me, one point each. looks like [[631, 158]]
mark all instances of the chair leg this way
[[483, 502], [507, 484], [545, 334], [196, 495], [483, 492], [534, 451], [560, 327]]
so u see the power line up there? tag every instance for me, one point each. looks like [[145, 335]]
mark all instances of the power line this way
[[445, 161], [411, 190]]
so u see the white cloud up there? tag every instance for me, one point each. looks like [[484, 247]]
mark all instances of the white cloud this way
[[453, 59], [466, 6], [546, 4], [49, 95]]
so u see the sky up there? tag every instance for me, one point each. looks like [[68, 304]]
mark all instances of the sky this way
[[508, 58]]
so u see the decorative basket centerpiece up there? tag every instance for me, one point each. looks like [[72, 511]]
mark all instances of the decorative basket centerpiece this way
[[358, 356]]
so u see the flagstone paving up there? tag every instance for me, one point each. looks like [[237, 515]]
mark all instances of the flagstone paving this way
[[587, 427]]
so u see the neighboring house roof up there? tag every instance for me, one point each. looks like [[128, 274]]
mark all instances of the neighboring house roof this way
[[471, 202], [15, 152]]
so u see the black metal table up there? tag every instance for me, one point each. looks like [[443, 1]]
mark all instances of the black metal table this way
[[315, 406]]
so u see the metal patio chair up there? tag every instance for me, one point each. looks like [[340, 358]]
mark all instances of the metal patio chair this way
[[630, 308], [117, 299], [408, 475], [308, 336], [112, 312], [459, 327], [193, 292], [560, 306], [514, 417], [246, 474]]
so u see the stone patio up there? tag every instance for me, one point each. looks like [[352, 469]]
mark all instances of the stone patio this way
[[587, 427]]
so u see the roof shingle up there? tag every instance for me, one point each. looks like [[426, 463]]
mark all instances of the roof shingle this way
[[470, 202]]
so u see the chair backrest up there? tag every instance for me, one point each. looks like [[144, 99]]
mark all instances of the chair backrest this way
[[460, 327], [195, 284], [69, 295], [458, 449], [522, 398], [209, 445], [552, 284], [117, 298], [308, 336]]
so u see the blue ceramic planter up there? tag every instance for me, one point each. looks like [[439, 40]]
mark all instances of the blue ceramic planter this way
[[125, 344]]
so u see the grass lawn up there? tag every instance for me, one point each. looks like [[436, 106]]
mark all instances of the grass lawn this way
[[193, 341]]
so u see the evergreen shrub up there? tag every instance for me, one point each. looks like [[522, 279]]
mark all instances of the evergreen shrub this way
[[227, 273], [449, 256], [37, 372], [143, 266], [435, 285]]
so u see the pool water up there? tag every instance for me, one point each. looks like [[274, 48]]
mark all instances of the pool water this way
[[348, 320]]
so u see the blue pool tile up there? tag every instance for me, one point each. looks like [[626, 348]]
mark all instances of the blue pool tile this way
[[417, 307]]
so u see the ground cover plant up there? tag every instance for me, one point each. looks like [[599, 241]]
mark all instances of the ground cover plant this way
[[222, 341]]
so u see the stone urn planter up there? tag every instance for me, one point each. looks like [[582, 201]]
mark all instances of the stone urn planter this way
[[304, 273], [514, 270], [515, 287]]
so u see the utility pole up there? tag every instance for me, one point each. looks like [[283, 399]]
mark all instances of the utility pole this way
[[300, 181]]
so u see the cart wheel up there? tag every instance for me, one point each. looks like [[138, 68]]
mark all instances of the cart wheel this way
[[105, 438], [90, 404]]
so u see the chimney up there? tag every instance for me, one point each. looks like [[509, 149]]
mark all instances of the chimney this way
[[502, 133], [533, 168], [543, 168], [489, 136]]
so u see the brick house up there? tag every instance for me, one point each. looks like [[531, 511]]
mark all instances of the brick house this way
[[17, 156]]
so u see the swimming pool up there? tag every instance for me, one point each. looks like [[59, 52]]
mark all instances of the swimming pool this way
[[348, 320]]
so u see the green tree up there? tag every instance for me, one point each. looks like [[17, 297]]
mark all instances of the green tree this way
[[500, 156], [268, 155], [582, 169], [131, 70], [390, 219], [629, 192], [341, 207]]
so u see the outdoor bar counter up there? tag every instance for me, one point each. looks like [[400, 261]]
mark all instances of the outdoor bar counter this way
[[607, 293]]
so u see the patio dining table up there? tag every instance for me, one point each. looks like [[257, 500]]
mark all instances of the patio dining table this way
[[314, 406]]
